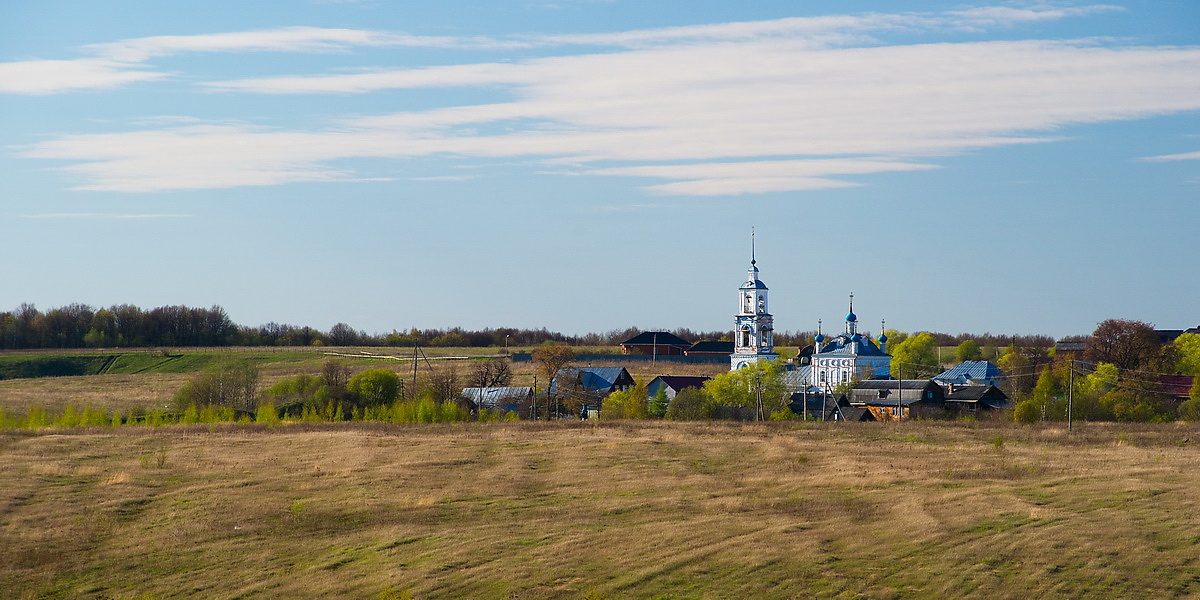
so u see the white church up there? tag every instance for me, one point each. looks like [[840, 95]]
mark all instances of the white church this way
[[834, 360]]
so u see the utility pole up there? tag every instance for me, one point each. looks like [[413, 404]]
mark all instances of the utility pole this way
[[758, 395], [1070, 393]]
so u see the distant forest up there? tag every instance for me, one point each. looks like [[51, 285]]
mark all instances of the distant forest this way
[[127, 326]]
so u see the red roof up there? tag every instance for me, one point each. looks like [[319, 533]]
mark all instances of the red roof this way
[[1176, 385]]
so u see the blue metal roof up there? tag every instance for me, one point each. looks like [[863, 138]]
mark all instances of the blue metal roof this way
[[842, 346], [971, 370]]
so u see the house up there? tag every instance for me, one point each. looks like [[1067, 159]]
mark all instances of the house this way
[[709, 348], [661, 343], [976, 400], [899, 399], [1166, 336], [673, 384], [820, 406], [589, 385], [502, 398], [970, 373], [1176, 386]]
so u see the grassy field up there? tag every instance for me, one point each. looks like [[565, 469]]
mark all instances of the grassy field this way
[[146, 379], [618, 510]]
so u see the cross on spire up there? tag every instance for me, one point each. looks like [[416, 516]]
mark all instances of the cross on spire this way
[[752, 259]]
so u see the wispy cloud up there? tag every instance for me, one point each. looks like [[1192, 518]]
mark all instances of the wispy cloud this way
[[104, 216], [712, 110], [1172, 157], [55, 76]]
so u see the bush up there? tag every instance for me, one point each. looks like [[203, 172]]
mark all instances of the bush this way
[[690, 404]]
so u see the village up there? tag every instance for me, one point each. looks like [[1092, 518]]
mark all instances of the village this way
[[847, 376]]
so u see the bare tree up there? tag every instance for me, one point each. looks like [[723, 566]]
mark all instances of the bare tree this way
[[491, 373], [444, 384], [549, 360]]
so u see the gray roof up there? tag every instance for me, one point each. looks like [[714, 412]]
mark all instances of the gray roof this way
[[660, 338], [798, 377], [593, 379], [982, 394], [497, 396]]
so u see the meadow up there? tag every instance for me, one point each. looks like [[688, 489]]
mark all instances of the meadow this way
[[601, 510]]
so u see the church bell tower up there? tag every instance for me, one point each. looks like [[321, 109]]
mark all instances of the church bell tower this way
[[753, 324]]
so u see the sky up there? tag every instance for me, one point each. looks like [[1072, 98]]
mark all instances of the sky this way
[[591, 165]]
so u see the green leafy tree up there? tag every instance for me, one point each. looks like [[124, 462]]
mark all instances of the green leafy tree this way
[[1048, 396], [659, 403], [916, 357], [1134, 406], [1187, 348], [1190, 409], [1089, 389], [626, 404], [744, 387], [374, 387], [968, 350], [1027, 411], [1016, 366]]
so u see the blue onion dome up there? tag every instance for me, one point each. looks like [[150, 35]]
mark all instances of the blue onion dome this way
[[820, 338], [851, 317], [883, 337], [856, 337]]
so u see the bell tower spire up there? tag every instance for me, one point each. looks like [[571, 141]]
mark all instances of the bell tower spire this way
[[754, 325]]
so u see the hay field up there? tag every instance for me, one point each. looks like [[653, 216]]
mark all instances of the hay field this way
[[619, 510]]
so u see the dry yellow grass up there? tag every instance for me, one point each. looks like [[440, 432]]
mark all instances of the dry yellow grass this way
[[623, 510]]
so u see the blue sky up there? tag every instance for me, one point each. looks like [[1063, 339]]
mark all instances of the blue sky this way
[[591, 165]]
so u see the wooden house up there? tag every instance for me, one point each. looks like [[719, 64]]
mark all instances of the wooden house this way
[[976, 400], [899, 400]]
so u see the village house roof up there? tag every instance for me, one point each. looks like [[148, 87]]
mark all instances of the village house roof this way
[[1178, 386], [497, 396], [595, 380], [883, 392], [710, 347], [988, 395], [1167, 336], [651, 338], [799, 378], [971, 371], [678, 382]]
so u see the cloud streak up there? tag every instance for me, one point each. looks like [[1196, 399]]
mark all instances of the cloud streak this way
[[725, 109]]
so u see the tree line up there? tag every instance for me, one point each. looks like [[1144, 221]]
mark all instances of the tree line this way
[[127, 326]]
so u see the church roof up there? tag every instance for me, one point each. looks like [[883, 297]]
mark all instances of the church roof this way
[[843, 346]]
